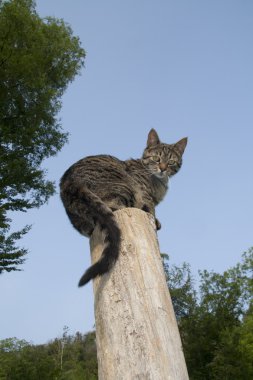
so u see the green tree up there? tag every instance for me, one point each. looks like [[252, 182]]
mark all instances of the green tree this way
[[181, 285], [78, 360], [38, 59], [215, 323], [21, 360]]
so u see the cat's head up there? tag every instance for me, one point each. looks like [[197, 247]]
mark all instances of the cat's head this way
[[163, 160]]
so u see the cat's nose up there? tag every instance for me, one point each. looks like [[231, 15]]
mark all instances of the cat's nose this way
[[163, 166]]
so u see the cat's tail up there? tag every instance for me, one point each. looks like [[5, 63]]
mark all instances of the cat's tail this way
[[106, 219]]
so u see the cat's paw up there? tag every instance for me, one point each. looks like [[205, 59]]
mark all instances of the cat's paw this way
[[158, 224]]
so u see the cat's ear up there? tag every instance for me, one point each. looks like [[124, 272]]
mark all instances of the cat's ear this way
[[153, 138], [181, 144]]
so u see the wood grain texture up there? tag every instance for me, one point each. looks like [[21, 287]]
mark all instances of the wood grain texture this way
[[136, 329]]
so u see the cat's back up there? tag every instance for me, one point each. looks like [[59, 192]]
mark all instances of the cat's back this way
[[100, 168]]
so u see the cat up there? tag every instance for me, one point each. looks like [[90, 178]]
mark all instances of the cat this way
[[96, 186]]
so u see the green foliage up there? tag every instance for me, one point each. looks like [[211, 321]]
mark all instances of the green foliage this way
[[71, 357], [38, 59], [181, 284], [10, 255], [216, 324]]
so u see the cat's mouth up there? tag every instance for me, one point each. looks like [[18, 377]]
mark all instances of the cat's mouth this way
[[162, 175]]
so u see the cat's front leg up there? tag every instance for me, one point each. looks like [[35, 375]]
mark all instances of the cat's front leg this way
[[157, 223]]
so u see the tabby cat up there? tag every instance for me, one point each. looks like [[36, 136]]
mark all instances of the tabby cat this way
[[95, 186]]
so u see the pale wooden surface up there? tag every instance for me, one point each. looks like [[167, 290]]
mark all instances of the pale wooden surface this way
[[136, 330]]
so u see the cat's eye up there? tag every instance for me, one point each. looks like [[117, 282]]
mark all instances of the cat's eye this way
[[156, 158], [171, 162]]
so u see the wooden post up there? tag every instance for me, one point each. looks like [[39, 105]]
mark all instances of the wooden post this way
[[136, 329]]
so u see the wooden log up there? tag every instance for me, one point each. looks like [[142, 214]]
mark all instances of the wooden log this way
[[136, 329]]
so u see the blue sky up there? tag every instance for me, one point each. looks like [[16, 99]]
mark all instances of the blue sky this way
[[181, 67]]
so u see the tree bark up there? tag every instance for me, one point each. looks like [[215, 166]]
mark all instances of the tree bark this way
[[136, 329]]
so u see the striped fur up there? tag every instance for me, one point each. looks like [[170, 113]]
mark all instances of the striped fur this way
[[95, 186]]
